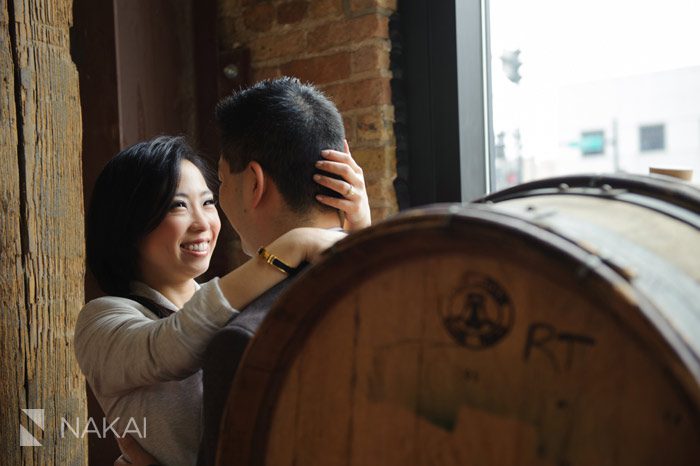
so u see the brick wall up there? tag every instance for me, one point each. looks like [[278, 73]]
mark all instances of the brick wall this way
[[341, 46]]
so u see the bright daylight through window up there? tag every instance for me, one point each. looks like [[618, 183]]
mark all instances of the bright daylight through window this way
[[594, 86]]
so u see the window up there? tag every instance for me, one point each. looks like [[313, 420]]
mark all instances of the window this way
[[592, 143], [571, 92], [500, 92], [651, 138]]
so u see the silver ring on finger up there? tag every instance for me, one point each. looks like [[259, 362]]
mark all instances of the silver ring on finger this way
[[349, 192]]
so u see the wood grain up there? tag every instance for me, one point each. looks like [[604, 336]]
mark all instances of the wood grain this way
[[499, 335], [42, 231], [12, 370]]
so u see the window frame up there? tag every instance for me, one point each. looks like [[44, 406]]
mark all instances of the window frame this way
[[449, 129]]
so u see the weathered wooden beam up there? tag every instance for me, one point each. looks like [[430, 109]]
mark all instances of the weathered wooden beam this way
[[41, 232]]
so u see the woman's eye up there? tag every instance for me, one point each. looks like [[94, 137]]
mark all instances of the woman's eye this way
[[210, 202], [177, 204]]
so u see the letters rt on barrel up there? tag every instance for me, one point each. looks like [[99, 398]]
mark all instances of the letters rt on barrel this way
[[557, 325]]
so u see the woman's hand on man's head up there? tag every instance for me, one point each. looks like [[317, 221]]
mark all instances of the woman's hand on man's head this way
[[354, 203]]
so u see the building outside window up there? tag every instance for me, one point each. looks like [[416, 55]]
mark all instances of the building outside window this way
[[591, 143], [651, 138], [574, 85]]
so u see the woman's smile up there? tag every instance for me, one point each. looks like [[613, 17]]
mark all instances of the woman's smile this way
[[180, 247], [198, 247]]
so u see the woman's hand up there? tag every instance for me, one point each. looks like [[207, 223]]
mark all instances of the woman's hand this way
[[133, 453], [354, 203]]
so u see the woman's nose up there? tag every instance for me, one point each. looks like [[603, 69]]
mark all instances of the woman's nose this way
[[199, 220]]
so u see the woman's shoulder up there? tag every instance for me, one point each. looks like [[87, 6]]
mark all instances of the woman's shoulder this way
[[113, 305], [107, 313], [109, 302]]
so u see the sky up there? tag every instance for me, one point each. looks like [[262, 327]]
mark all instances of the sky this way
[[574, 41], [567, 42]]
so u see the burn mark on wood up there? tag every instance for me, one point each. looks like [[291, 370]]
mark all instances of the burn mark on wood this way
[[547, 341], [479, 314], [471, 375]]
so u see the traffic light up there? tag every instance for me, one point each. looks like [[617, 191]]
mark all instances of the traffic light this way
[[511, 64]]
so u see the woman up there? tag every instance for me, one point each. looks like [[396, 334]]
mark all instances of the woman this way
[[151, 228]]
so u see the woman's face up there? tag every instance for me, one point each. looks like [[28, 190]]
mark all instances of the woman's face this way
[[180, 247]]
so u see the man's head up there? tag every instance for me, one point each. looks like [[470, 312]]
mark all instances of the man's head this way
[[272, 134]]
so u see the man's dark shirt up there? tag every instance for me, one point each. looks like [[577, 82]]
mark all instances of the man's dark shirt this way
[[221, 361]]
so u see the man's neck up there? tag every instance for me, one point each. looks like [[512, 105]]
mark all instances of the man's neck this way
[[288, 222], [321, 220]]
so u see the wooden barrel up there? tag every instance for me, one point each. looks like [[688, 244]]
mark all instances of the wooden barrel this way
[[556, 324]]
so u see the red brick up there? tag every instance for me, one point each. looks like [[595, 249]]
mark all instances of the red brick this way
[[381, 192], [292, 12], [372, 5], [320, 70], [389, 4], [376, 162], [248, 2], [370, 58], [260, 74], [372, 127], [382, 213], [362, 5], [357, 33], [360, 94], [266, 47], [349, 122], [259, 17], [323, 8], [348, 32]]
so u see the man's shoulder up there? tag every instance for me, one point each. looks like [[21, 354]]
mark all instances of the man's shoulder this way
[[250, 317]]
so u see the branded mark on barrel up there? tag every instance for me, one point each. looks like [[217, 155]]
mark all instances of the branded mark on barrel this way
[[547, 341], [478, 314]]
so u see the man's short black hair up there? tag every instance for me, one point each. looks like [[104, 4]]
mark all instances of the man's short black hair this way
[[131, 197], [283, 125]]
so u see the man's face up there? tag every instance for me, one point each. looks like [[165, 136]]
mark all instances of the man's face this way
[[233, 203]]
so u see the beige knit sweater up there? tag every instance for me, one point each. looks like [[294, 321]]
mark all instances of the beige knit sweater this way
[[140, 366]]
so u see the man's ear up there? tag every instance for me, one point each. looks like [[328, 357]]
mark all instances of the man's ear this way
[[260, 182]]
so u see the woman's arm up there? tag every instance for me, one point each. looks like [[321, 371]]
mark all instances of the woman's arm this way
[[119, 348], [251, 279]]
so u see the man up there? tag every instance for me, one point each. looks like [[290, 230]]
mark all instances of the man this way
[[271, 135]]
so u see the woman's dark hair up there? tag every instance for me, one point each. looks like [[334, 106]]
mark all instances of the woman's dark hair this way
[[131, 197]]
